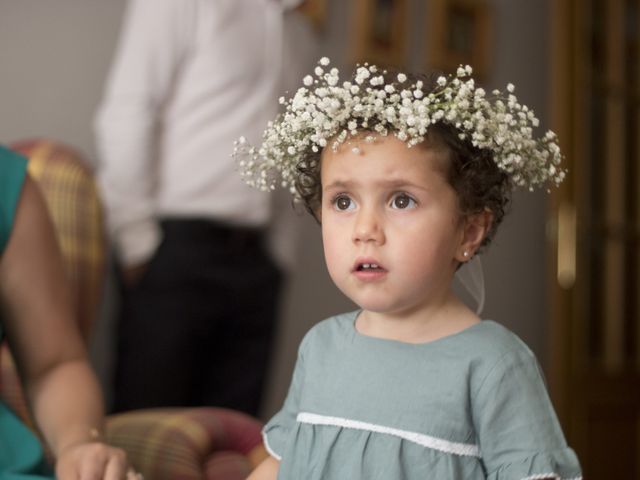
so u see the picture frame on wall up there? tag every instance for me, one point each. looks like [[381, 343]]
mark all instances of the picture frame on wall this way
[[316, 11], [379, 33], [458, 33]]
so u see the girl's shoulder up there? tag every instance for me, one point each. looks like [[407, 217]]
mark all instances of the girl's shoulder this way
[[493, 339], [338, 327], [491, 343], [499, 353]]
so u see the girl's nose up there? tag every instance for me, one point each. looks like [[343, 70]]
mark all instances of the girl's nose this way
[[368, 227]]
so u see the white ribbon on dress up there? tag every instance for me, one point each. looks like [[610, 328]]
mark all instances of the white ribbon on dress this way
[[471, 277]]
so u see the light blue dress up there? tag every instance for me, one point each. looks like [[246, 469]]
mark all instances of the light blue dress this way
[[21, 455], [472, 405]]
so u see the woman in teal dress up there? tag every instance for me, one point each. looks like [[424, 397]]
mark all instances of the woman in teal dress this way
[[37, 320]]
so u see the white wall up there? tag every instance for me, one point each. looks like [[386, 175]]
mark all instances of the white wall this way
[[54, 56]]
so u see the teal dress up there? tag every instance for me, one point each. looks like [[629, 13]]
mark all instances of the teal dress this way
[[21, 455], [469, 406]]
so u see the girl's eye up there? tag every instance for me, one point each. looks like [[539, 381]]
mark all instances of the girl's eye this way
[[342, 202], [402, 201]]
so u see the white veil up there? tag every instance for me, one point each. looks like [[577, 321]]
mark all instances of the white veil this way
[[471, 277]]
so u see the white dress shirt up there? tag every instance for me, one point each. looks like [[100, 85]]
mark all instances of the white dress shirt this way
[[189, 77]]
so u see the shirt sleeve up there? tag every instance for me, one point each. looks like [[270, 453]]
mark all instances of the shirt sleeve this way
[[13, 170], [277, 432], [154, 40], [518, 432]]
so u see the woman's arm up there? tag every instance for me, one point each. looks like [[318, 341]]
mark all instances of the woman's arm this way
[[267, 470], [43, 336]]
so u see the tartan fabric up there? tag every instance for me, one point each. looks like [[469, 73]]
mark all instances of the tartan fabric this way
[[227, 465], [188, 444]]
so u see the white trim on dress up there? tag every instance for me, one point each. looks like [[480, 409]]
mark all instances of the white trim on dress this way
[[464, 449], [270, 450]]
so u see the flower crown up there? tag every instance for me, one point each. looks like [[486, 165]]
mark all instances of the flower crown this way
[[323, 110]]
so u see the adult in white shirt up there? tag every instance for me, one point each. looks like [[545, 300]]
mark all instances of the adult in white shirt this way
[[199, 288]]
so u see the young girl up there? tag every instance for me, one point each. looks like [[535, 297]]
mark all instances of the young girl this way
[[409, 180]]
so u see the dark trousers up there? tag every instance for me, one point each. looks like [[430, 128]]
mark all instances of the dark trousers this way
[[197, 329]]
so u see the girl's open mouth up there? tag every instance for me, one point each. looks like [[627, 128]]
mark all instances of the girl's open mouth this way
[[369, 267]]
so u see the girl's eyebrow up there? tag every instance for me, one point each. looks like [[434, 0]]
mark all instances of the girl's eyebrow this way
[[340, 184], [385, 183], [401, 183]]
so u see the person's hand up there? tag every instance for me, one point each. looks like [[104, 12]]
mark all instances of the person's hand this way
[[94, 461]]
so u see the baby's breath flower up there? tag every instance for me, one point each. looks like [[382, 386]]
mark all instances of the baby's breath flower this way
[[321, 110]]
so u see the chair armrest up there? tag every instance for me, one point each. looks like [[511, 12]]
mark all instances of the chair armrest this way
[[184, 443]]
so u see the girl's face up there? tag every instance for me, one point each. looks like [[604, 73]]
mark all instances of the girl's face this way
[[390, 225]]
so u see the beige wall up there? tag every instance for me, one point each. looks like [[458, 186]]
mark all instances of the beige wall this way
[[54, 56]]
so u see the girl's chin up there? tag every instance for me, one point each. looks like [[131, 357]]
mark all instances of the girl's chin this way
[[393, 307], [377, 306], [377, 300]]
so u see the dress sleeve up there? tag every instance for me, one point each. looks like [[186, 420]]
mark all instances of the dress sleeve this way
[[13, 170], [518, 432], [278, 430]]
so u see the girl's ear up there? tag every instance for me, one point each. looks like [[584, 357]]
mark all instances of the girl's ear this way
[[476, 227]]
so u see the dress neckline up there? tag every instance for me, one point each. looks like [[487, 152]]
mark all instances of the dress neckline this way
[[453, 336]]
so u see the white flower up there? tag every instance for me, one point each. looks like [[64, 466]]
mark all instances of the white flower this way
[[308, 80]]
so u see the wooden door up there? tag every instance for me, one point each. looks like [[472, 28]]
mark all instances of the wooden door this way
[[595, 322]]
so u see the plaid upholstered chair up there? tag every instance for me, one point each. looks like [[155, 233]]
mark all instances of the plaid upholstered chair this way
[[163, 444]]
